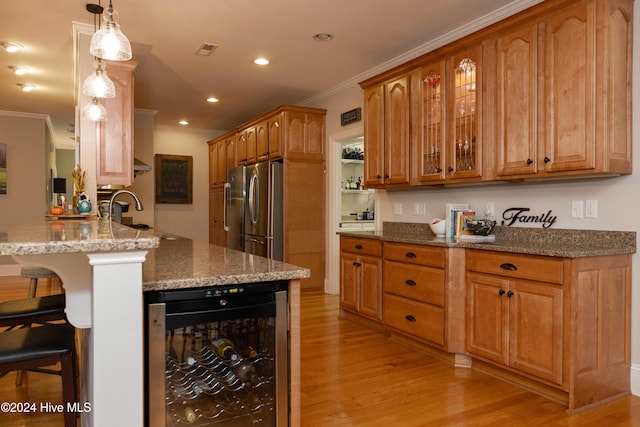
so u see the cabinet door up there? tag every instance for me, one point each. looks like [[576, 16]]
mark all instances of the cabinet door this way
[[252, 145], [213, 164], [396, 131], [464, 139], [241, 148], [275, 137], [570, 82], [370, 302], [217, 235], [536, 329], [349, 281], [517, 102], [262, 141], [231, 152], [429, 142], [374, 136], [221, 160], [487, 317], [115, 135]]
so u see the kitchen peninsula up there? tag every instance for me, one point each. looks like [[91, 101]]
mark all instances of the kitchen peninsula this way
[[101, 266]]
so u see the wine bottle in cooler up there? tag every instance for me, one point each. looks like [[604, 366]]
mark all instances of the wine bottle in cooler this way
[[247, 372], [225, 349]]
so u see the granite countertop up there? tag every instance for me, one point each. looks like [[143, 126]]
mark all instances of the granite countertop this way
[[548, 242], [181, 263], [69, 236]]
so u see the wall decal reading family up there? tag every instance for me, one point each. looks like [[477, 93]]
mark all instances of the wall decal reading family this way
[[517, 215]]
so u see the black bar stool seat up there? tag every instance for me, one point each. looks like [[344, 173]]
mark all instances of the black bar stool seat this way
[[31, 348], [32, 310]]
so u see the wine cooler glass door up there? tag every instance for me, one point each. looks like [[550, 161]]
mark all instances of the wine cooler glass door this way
[[219, 362]]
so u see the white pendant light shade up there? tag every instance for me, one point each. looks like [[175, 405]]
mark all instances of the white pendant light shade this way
[[99, 84], [94, 111], [109, 42]]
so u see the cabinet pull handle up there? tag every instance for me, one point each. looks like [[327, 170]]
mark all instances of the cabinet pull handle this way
[[410, 318], [501, 292], [378, 176], [356, 264], [438, 170], [410, 255], [450, 169], [359, 246], [386, 176], [508, 266], [410, 282], [529, 161], [509, 294], [546, 159]]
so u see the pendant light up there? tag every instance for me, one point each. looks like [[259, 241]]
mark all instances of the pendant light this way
[[94, 111], [109, 42], [98, 84]]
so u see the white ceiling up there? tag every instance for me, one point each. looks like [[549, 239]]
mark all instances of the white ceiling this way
[[170, 78]]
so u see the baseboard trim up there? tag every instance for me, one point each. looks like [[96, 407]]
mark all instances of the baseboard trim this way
[[635, 379]]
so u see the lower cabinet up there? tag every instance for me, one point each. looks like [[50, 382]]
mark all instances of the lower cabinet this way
[[361, 277]]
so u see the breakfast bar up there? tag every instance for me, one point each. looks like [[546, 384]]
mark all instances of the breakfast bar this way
[[104, 268]]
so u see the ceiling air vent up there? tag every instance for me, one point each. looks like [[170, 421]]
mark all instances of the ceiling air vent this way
[[206, 49]]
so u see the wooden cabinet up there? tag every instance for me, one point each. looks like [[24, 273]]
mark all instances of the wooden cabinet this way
[[424, 294], [115, 135], [386, 132], [361, 277], [558, 325], [217, 233], [563, 92]]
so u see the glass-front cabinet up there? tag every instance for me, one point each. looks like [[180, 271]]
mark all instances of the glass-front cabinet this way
[[448, 141]]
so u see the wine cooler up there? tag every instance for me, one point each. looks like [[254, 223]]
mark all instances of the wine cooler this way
[[218, 356]]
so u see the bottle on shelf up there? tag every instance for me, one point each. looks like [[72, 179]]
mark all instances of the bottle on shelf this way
[[225, 349], [247, 372]]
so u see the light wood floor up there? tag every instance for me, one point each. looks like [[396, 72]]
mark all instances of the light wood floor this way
[[353, 376]]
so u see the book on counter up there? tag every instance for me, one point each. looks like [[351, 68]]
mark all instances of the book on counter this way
[[450, 212], [461, 223]]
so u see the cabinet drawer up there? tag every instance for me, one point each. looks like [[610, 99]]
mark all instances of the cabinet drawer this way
[[425, 284], [415, 254], [532, 267], [417, 319], [354, 245]]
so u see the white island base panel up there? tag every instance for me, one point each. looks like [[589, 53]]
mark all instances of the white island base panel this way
[[104, 299]]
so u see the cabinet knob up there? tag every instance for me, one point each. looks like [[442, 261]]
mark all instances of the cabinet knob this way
[[546, 159], [386, 176], [438, 170], [379, 176], [410, 255], [509, 294], [529, 161], [356, 264], [508, 266], [501, 292], [359, 246], [450, 169], [410, 318], [410, 282]]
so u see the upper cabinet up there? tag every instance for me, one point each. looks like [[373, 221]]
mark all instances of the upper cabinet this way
[[544, 93], [115, 135], [564, 93], [386, 133]]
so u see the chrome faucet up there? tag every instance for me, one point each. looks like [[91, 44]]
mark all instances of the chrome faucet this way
[[113, 197]]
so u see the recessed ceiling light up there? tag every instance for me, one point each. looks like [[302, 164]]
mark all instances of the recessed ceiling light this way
[[183, 122], [261, 61], [213, 99], [19, 69], [11, 46], [27, 87], [323, 37]]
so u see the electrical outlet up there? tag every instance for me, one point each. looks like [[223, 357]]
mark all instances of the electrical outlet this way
[[591, 209], [416, 208], [422, 209], [577, 209], [397, 208], [490, 209]]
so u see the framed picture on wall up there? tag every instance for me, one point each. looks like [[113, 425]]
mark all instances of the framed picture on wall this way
[[174, 179]]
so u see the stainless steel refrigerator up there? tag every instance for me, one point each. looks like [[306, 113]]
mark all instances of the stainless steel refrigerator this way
[[263, 210], [234, 201]]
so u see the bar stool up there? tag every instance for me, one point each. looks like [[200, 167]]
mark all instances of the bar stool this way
[[32, 348], [34, 273]]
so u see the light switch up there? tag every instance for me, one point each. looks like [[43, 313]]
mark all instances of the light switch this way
[[397, 208], [591, 209], [577, 209]]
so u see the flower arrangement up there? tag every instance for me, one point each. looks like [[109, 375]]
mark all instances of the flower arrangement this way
[[79, 179]]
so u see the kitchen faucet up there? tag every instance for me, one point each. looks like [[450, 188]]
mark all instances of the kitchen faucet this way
[[113, 197]]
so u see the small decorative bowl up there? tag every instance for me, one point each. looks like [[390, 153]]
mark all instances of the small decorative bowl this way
[[483, 227], [438, 226]]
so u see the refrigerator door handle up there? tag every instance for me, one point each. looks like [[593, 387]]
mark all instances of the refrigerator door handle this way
[[253, 198], [258, 241], [225, 201]]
